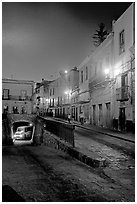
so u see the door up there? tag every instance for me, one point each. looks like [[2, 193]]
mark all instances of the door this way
[[108, 112], [76, 117], [122, 118], [100, 114], [63, 112], [94, 114]]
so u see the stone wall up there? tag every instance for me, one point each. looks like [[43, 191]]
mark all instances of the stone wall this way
[[6, 132]]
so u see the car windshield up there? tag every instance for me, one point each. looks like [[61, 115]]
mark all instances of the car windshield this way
[[20, 129]]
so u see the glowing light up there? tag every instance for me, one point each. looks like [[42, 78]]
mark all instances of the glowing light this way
[[106, 71], [66, 71], [68, 92], [116, 72]]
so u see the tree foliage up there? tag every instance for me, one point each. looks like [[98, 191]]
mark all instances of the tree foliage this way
[[100, 34]]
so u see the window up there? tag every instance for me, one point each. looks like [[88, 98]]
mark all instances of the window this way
[[50, 92], [37, 90], [50, 102], [53, 102], [108, 106], [124, 86], [5, 93], [100, 107], [23, 94], [124, 80], [80, 109], [58, 100], [44, 89], [122, 41], [86, 73], [81, 76], [61, 100]]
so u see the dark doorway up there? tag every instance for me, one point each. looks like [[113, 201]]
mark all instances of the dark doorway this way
[[94, 114], [122, 119], [76, 118], [108, 115]]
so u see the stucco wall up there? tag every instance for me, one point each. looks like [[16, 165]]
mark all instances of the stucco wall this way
[[16, 87], [126, 23]]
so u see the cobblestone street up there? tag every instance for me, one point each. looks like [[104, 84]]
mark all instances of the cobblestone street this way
[[45, 174]]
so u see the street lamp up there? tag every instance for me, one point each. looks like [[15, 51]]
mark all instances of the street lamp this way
[[116, 72], [106, 71]]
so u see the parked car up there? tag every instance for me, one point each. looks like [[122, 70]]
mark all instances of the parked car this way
[[23, 132]]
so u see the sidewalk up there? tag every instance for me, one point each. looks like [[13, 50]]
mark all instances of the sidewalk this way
[[125, 136], [113, 133]]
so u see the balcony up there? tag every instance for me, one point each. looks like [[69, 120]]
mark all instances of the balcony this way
[[122, 94]]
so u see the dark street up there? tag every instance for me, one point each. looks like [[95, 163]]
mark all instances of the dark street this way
[[43, 174]]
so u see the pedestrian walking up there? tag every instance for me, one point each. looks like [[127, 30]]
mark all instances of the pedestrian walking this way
[[81, 115], [69, 117]]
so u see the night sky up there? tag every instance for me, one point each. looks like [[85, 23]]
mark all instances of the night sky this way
[[40, 39]]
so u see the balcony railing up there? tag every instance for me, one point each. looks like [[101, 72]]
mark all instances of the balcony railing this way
[[16, 98], [122, 94]]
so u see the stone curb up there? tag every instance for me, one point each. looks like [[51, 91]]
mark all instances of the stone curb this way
[[93, 160]]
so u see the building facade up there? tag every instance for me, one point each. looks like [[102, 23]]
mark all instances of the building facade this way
[[41, 97], [83, 94], [106, 92], [17, 96], [100, 84], [60, 93], [124, 58]]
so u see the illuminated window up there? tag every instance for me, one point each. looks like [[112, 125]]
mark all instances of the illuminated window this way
[[122, 41]]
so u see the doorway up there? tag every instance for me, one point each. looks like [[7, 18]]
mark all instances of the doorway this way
[[122, 119], [108, 115], [94, 114]]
